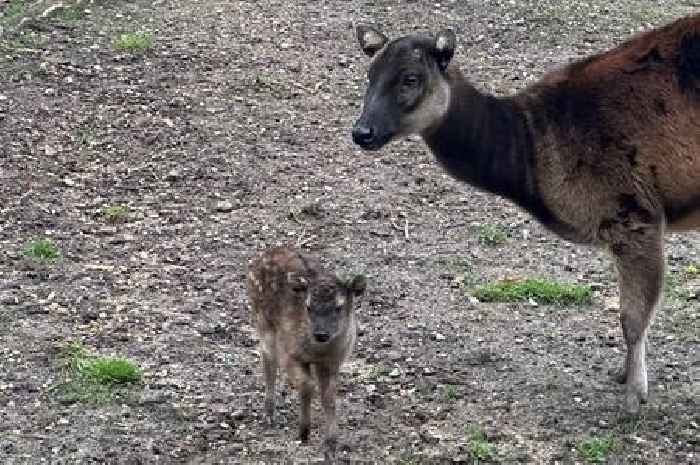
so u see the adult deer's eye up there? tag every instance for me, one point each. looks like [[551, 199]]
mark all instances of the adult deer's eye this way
[[410, 80]]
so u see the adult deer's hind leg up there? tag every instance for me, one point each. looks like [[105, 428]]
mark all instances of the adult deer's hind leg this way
[[640, 264]]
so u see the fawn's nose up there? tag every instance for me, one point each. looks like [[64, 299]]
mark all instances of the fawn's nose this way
[[321, 336]]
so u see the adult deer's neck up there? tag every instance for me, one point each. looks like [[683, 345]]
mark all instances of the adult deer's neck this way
[[486, 141]]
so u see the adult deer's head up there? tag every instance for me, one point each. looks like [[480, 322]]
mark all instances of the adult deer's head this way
[[408, 92]]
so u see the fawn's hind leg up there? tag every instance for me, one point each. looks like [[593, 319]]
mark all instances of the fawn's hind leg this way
[[640, 264], [270, 368]]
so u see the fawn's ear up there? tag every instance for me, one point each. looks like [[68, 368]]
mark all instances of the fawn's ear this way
[[297, 282], [357, 285], [370, 39], [444, 48]]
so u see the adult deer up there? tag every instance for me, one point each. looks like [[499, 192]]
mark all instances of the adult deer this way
[[604, 151]]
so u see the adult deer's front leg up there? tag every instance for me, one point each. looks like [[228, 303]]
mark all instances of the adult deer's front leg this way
[[640, 264]]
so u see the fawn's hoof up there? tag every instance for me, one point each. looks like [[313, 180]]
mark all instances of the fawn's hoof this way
[[329, 447], [304, 435]]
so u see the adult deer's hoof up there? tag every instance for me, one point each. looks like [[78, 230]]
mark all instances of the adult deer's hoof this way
[[634, 399], [618, 375]]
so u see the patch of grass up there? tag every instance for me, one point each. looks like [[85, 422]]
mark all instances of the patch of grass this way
[[478, 444], [675, 282], [629, 425], [115, 213], [95, 379], [15, 9], [595, 449], [378, 370], [84, 136], [541, 290], [491, 235], [28, 41], [133, 41], [450, 392], [109, 370], [71, 13], [691, 270], [264, 80], [408, 458], [43, 250]]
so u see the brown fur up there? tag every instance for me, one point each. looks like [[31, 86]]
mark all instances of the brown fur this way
[[285, 287], [605, 151]]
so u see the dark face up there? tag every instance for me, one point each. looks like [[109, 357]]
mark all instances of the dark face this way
[[329, 304], [407, 92]]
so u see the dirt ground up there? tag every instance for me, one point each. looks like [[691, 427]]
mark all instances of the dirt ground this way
[[230, 134]]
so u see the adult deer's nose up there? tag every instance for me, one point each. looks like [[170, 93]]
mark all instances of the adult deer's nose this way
[[321, 336], [362, 135]]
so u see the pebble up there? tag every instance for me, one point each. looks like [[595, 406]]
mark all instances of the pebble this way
[[224, 206]]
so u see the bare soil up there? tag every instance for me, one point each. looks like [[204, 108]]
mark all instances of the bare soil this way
[[230, 134]]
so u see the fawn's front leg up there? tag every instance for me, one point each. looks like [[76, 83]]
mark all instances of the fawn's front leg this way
[[327, 380]]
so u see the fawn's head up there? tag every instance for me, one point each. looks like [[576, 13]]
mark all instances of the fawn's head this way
[[327, 300]]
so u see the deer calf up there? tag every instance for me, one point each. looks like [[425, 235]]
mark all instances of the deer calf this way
[[306, 322], [604, 151]]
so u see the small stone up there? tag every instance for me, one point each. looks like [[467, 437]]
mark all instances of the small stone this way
[[152, 397], [124, 238], [395, 373], [88, 315], [9, 299], [612, 304], [440, 337], [473, 300], [33, 309], [107, 230], [224, 206], [173, 175]]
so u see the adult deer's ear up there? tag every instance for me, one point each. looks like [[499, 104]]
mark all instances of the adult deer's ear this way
[[357, 285], [444, 48], [370, 39]]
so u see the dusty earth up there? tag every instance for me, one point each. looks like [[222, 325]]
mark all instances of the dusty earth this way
[[231, 133]]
